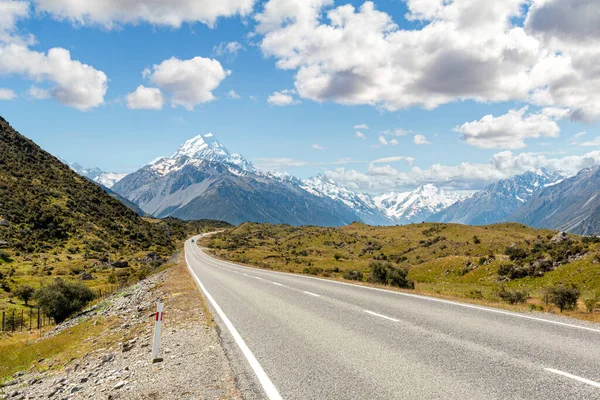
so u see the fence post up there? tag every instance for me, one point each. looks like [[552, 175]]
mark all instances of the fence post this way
[[157, 324], [38, 318], [13, 321], [3, 321]]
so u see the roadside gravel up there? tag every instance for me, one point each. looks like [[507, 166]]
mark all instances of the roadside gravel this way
[[194, 363]]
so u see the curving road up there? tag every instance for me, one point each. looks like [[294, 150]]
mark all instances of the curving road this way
[[298, 337]]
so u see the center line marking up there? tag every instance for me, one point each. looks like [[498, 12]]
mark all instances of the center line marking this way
[[260, 279], [312, 294], [575, 377], [381, 316], [275, 283]]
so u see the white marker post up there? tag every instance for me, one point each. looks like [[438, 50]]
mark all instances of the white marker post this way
[[157, 324]]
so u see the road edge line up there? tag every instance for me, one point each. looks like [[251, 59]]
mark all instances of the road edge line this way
[[574, 377], [268, 386]]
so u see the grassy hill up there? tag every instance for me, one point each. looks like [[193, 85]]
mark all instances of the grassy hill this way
[[54, 222], [468, 262]]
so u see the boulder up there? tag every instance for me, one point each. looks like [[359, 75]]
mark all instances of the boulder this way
[[560, 237], [120, 264]]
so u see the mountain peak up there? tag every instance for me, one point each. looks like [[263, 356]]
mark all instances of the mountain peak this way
[[198, 146]]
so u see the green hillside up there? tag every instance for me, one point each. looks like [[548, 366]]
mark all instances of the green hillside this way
[[469, 262]]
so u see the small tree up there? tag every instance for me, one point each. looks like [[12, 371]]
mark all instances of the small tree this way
[[25, 293], [60, 299], [564, 297]]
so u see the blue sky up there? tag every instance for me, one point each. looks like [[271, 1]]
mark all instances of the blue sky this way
[[384, 91]]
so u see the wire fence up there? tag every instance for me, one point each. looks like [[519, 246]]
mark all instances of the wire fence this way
[[33, 318]]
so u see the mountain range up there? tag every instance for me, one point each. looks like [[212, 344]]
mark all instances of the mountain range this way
[[203, 179]]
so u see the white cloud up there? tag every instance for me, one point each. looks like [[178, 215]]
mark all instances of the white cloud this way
[[420, 140], [388, 160], [75, 84], [145, 98], [282, 98], [232, 94], [38, 93], [462, 176], [360, 135], [469, 49], [595, 142], [317, 147], [361, 126], [190, 82], [580, 134], [510, 130], [383, 141], [228, 49], [173, 13], [7, 94], [278, 164]]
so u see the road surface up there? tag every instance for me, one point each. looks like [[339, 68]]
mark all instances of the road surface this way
[[298, 337]]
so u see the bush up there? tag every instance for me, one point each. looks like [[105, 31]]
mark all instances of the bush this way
[[25, 293], [338, 256], [353, 275], [564, 297], [513, 296], [476, 239], [60, 299], [385, 273], [591, 302], [516, 253]]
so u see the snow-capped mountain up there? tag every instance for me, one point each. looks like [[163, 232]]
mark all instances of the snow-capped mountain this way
[[107, 179], [202, 179], [202, 148], [497, 201], [388, 208], [362, 203], [415, 206]]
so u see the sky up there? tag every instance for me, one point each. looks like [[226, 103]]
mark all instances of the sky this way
[[383, 95]]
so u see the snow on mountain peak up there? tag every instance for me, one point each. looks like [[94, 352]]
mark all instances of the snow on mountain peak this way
[[198, 149], [416, 205]]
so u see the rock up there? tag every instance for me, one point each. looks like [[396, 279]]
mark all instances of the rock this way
[[120, 384], [86, 276], [4, 244], [560, 237], [107, 358], [120, 264], [75, 389], [4, 222]]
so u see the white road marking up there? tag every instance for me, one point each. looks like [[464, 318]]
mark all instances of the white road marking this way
[[275, 283], [269, 388], [381, 315], [575, 377], [312, 294], [259, 278], [422, 297]]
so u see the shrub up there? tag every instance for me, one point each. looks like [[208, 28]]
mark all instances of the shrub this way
[[516, 253], [24, 292], [476, 239], [513, 296], [313, 270], [564, 297], [5, 257], [475, 294], [353, 275], [385, 273], [338, 256], [591, 302], [60, 299]]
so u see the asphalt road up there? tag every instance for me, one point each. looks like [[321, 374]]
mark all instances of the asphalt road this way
[[304, 338]]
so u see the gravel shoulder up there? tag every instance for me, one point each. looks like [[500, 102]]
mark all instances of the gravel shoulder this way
[[117, 363]]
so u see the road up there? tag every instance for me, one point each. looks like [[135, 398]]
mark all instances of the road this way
[[304, 338]]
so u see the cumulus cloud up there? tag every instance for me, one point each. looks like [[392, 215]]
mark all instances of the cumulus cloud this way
[[232, 94], [360, 135], [282, 98], [73, 83], [111, 13], [361, 126], [510, 130], [462, 176], [7, 94], [317, 147], [190, 82], [469, 49], [227, 49], [384, 142], [145, 98], [420, 140]]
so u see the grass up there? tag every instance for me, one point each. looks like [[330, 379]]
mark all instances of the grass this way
[[446, 260]]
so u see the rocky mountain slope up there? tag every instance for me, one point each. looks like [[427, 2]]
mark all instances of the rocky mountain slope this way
[[572, 205], [498, 200], [202, 179]]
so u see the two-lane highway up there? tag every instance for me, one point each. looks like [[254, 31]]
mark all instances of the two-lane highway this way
[[309, 338]]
